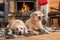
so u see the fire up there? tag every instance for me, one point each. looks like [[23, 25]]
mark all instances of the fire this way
[[25, 8]]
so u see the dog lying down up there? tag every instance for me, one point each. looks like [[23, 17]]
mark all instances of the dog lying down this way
[[17, 26], [34, 24]]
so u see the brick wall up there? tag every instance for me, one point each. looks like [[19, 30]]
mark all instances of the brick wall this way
[[11, 3]]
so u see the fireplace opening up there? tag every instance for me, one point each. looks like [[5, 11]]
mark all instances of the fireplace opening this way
[[25, 6]]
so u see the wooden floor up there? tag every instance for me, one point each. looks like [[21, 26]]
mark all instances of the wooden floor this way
[[51, 36]]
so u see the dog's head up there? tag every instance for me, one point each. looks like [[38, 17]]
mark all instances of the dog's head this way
[[20, 29], [37, 15]]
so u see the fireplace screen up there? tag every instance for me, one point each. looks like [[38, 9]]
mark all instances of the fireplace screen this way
[[25, 6]]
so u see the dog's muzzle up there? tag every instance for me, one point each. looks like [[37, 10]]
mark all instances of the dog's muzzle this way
[[19, 32]]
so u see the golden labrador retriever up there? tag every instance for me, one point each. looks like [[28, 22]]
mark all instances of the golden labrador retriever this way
[[34, 23], [16, 25]]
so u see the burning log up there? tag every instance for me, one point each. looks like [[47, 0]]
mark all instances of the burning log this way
[[25, 7]]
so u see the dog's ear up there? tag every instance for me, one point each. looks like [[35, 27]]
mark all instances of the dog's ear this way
[[32, 15]]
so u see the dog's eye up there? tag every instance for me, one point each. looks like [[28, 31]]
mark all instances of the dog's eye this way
[[16, 28], [21, 28], [35, 14]]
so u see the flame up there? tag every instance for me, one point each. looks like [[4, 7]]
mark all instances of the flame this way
[[25, 8]]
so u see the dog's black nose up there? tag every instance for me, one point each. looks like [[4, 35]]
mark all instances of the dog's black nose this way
[[39, 18], [19, 33]]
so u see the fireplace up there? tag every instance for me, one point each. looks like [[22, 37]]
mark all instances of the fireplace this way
[[25, 5], [22, 9]]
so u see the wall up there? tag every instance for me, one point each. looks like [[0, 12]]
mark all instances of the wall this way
[[11, 3], [53, 3]]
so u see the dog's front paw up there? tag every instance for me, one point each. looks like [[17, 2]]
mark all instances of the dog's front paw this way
[[9, 36]]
